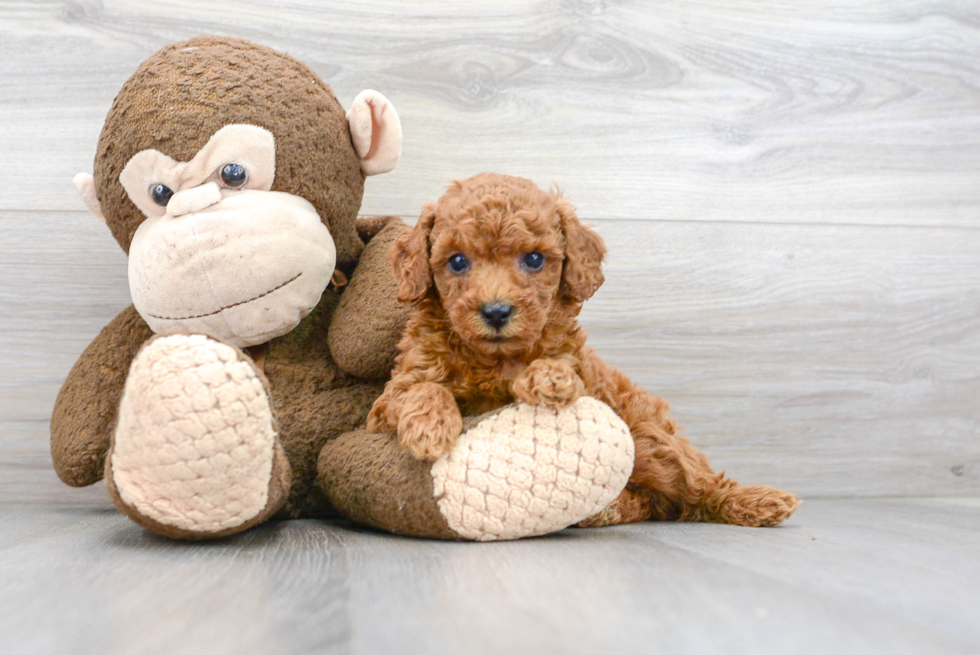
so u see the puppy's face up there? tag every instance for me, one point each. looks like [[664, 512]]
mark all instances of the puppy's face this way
[[497, 270], [501, 256]]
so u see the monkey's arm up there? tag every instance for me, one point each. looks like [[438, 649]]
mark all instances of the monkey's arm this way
[[85, 411], [369, 321]]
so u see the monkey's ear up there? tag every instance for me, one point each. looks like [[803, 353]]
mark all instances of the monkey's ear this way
[[85, 185], [376, 132], [584, 251], [410, 258]]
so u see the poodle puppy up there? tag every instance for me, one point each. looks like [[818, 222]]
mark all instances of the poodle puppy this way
[[498, 270]]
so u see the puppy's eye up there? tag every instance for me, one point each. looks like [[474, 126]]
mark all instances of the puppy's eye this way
[[533, 261], [161, 194], [458, 263], [234, 175]]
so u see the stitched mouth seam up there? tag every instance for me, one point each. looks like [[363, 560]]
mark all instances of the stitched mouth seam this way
[[217, 311]]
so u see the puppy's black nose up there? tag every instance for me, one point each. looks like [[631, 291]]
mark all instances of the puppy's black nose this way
[[496, 314]]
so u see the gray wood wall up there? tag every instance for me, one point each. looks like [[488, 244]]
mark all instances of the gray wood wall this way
[[790, 192]]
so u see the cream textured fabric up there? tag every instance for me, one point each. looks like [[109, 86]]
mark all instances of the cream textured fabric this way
[[245, 270], [529, 470], [376, 132], [195, 439], [85, 185], [252, 147], [245, 265], [195, 199]]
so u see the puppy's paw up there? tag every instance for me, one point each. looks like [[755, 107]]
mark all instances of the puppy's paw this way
[[760, 506], [429, 421], [548, 382]]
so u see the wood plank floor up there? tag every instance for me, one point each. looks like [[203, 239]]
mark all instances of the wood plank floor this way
[[843, 576]]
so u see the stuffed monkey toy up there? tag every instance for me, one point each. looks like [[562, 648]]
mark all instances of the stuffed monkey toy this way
[[264, 324]]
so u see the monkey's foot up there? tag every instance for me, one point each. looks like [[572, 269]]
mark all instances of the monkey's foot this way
[[196, 452], [529, 470], [522, 471]]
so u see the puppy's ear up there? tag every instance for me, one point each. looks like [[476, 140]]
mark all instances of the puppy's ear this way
[[584, 251], [410, 258]]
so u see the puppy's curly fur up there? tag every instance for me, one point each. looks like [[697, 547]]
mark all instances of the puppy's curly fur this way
[[456, 358]]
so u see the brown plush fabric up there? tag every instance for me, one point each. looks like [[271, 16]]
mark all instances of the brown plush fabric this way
[[369, 226], [314, 401], [85, 411], [365, 347], [372, 481], [184, 93], [173, 103]]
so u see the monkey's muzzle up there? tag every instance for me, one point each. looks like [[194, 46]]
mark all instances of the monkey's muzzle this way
[[244, 269]]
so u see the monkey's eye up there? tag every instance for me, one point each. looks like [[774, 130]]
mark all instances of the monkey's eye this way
[[161, 194], [234, 175], [533, 261], [458, 263]]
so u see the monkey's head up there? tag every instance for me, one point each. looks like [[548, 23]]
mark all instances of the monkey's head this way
[[232, 177]]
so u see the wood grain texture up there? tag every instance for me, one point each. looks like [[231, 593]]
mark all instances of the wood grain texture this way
[[872, 576], [830, 111], [790, 193], [830, 360]]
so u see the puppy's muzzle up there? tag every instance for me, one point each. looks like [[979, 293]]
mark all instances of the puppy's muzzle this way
[[496, 314]]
